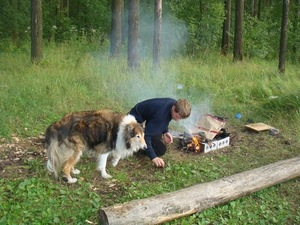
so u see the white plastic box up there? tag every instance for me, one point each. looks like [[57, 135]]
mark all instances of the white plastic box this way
[[215, 145]]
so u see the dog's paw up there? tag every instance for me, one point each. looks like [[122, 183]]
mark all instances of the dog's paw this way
[[76, 171], [106, 176], [115, 163], [72, 180], [49, 166]]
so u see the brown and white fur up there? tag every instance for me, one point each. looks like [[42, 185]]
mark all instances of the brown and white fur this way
[[104, 131]]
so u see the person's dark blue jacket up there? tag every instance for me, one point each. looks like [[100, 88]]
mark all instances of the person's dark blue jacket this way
[[157, 114]]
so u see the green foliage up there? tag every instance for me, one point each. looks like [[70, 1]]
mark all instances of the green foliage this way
[[15, 21], [57, 26], [195, 26], [204, 21], [260, 37], [87, 19], [92, 14], [35, 201]]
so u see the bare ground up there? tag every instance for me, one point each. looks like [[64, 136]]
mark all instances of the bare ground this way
[[250, 149]]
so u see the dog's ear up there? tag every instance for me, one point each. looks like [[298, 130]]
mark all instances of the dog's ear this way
[[129, 134], [130, 130], [143, 124]]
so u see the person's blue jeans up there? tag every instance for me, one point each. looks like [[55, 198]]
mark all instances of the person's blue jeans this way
[[158, 145]]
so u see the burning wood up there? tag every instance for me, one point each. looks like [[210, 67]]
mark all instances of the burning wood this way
[[192, 142], [206, 135], [197, 142], [194, 145]]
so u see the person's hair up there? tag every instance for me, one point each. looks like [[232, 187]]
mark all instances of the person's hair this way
[[183, 107]]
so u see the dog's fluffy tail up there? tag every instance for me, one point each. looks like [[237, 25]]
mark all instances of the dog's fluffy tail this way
[[57, 150], [52, 146], [58, 154], [55, 161]]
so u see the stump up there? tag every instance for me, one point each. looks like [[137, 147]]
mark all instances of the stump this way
[[197, 198]]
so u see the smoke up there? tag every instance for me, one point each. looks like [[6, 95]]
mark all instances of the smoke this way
[[151, 84], [148, 83], [173, 36], [198, 110]]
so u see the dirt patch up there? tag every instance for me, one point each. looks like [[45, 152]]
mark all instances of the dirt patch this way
[[14, 154], [20, 156]]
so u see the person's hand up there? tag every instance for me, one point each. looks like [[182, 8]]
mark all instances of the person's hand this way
[[168, 138], [158, 162]]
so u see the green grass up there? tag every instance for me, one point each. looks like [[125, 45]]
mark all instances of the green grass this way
[[35, 201], [72, 78]]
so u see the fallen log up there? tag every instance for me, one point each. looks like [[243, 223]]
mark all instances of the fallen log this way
[[197, 198]]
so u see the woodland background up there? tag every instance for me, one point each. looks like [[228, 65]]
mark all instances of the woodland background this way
[[246, 28]]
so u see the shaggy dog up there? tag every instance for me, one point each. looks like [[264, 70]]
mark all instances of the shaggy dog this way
[[105, 132]]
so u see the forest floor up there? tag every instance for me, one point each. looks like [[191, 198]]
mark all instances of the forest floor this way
[[259, 148]]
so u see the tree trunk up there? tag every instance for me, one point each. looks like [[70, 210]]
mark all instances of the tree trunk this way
[[157, 33], [15, 34], [36, 31], [197, 198], [253, 8], [296, 30], [283, 36], [64, 6], [259, 9], [238, 32], [133, 34], [116, 28], [123, 23], [226, 28]]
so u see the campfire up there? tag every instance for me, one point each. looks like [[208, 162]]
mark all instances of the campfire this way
[[206, 135], [192, 142], [197, 142]]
